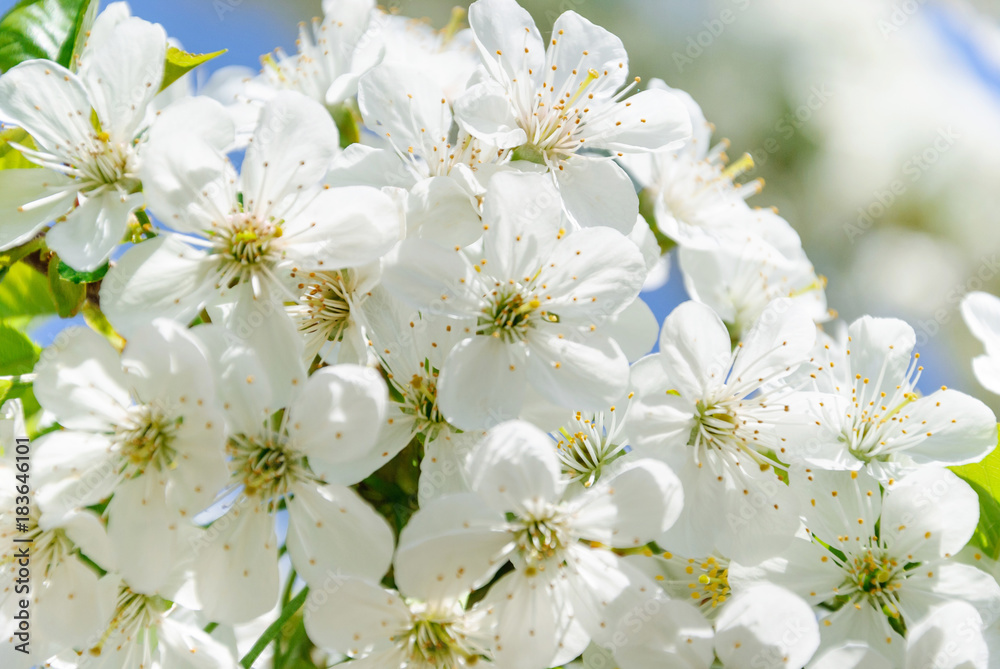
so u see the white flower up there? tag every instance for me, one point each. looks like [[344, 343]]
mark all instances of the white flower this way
[[333, 53], [560, 591], [982, 314], [557, 104], [298, 447], [411, 349], [417, 629], [56, 552], [86, 127], [447, 56], [868, 413], [145, 430], [538, 294], [874, 562], [713, 414], [742, 274], [694, 198], [410, 113], [327, 313], [947, 638], [592, 440], [243, 246], [146, 631]]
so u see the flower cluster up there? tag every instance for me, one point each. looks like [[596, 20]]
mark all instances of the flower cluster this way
[[380, 374]]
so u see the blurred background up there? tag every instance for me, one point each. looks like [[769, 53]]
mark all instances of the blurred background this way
[[875, 123]]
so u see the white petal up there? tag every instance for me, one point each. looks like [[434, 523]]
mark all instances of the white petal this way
[[444, 469], [768, 627], [404, 105], [634, 506], [695, 349], [987, 371], [880, 350], [936, 583], [523, 220], [80, 380], [331, 530], [185, 645], [273, 175], [598, 192], [482, 382], [144, 533], [19, 188], [237, 566], [507, 38], [533, 617], [652, 119], [450, 546], [928, 514], [74, 470], [781, 338], [591, 275], [123, 74], [634, 329], [85, 240], [959, 429], [343, 227], [441, 210], [982, 314], [589, 374], [48, 101], [189, 185], [162, 277], [583, 46], [950, 638], [432, 278], [67, 602], [485, 112], [853, 655], [354, 617], [516, 464]]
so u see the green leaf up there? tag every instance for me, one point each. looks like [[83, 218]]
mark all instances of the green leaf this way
[[10, 157], [180, 63], [66, 295], [69, 274], [41, 29], [984, 477], [24, 292], [5, 385], [18, 354]]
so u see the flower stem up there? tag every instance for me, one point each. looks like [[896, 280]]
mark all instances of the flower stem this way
[[274, 629]]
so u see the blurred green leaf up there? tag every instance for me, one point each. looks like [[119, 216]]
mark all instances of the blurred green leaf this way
[[180, 63], [348, 124], [24, 292], [984, 477], [41, 29], [66, 295], [18, 354], [10, 157], [69, 274]]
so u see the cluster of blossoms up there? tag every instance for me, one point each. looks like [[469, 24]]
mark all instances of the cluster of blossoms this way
[[388, 380]]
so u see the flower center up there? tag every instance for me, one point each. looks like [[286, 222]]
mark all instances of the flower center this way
[[714, 422], [508, 317], [541, 537], [134, 615], [875, 574], [247, 249], [437, 642], [324, 306], [144, 440], [421, 402], [711, 587], [266, 469], [48, 547], [589, 443]]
